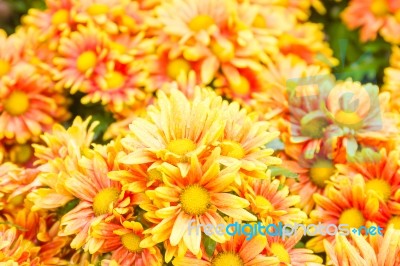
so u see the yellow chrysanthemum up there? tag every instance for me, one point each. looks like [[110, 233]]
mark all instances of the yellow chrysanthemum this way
[[196, 199], [58, 156], [271, 202]]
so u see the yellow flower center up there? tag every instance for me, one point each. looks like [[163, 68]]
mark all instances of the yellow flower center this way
[[86, 61], [321, 171], [181, 146], [114, 80], [4, 67], [195, 200], [17, 103], [60, 17], [348, 119], [353, 217], [224, 53], [379, 7], [314, 128], [227, 258], [242, 87], [279, 250], [380, 187], [97, 9], [105, 199], [175, 67], [232, 149], [395, 221], [131, 242], [259, 22], [154, 174], [20, 154], [201, 22]]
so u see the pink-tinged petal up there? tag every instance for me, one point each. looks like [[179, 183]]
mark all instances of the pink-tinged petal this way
[[179, 228]]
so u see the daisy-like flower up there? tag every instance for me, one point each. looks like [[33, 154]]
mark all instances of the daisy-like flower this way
[[244, 139], [380, 172], [288, 254], [57, 20], [344, 202], [236, 252], [206, 36], [373, 17], [81, 55], [271, 202], [123, 240], [28, 106], [57, 156], [371, 250], [182, 204], [101, 199], [174, 129], [307, 41], [313, 175], [391, 78], [119, 86]]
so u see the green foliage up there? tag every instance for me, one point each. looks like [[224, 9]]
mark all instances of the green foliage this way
[[363, 62], [11, 12]]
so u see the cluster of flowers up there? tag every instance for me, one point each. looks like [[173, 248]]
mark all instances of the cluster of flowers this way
[[226, 112]]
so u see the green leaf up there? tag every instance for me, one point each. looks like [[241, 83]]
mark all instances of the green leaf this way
[[209, 245], [278, 171], [67, 207], [300, 245]]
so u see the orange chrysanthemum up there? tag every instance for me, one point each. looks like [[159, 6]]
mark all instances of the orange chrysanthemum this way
[[28, 105]]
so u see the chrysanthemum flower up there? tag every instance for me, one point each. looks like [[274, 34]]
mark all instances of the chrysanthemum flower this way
[[373, 17], [236, 252], [288, 254], [196, 199], [307, 41], [380, 172], [100, 199], [58, 155], [81, 55], [28, 106], [174, 130], [344, 202], [119, 86], [52, 23], [244, 139], [271, 202], [313, 175], [123, 241], [371, 250]]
